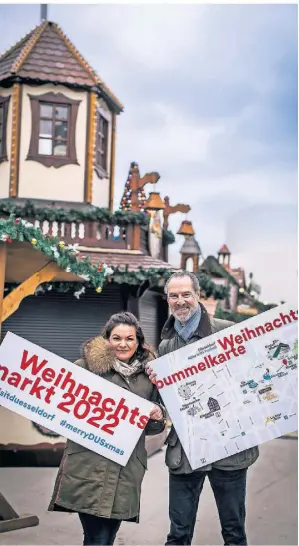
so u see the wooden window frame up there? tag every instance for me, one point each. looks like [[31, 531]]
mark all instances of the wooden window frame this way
[[4, 103], [53, 160], [101, 171]]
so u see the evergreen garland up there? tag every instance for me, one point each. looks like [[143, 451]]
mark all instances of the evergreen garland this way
[[168, 237], [210, 289], [156, 277], [94, 214], [66, 256], [227, 315], [103, 215]]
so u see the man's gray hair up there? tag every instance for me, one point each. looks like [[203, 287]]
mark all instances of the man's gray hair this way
[[180, 275]]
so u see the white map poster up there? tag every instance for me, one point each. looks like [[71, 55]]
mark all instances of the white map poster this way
[[235, 389]]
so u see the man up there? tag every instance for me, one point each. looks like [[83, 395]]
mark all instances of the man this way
[[189, 322]]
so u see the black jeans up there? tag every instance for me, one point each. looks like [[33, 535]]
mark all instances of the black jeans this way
[[229, 488], [98, 531]]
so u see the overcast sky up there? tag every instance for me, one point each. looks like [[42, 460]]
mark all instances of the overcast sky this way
[[210, 95]]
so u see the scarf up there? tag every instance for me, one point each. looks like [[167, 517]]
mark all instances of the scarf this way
[[125, 369], [187, 330]]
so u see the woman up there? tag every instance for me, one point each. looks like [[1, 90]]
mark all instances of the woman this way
[[103, 492]]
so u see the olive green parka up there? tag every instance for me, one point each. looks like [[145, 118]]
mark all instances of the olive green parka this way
[[90, 483]]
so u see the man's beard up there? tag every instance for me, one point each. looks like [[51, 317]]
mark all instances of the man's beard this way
[[183, 313]]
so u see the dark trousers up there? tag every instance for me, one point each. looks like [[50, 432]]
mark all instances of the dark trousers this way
[[229, 488], [98, 531]]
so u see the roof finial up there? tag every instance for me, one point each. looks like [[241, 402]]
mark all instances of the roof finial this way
[[43, 12]]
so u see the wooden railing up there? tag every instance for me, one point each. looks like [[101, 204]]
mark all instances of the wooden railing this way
[[98, 235], [88, 233]]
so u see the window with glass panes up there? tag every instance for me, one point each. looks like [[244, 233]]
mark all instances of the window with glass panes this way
[[53, 129], [101, 142]]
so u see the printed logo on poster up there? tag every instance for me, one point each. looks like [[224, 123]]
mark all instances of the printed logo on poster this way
[[69, 400]]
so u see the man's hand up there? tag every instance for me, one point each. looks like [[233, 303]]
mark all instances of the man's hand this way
[[156, 414], [151, 374]]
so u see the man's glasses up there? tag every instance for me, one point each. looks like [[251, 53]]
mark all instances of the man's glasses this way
[[184, 296]]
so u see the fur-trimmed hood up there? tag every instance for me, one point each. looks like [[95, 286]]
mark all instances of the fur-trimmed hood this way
[[99, 356]]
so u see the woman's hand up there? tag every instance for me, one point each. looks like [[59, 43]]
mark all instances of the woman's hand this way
[[150, 372], [156, 414]]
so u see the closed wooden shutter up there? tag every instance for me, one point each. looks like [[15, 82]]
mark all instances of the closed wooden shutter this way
[[60, 322]]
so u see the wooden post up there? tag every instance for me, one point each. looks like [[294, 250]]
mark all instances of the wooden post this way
[[2, 278], [90, 146], [112, 162], [136, 237], [165, 253]]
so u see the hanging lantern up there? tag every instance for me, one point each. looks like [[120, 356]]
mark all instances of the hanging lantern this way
[[186, 229], [154, 202]]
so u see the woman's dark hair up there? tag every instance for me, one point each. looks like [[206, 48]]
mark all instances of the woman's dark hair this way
[[143, 351]]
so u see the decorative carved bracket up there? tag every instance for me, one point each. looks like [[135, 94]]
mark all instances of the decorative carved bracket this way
[[172, 209], [27, 288], [138, 183]]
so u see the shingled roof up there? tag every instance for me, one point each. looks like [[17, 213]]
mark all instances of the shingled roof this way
[[212, 267], [132, 261], [191, 247], [224, 250], [46, 55]]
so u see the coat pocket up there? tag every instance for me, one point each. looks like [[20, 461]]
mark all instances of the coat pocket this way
[[173, 457]]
